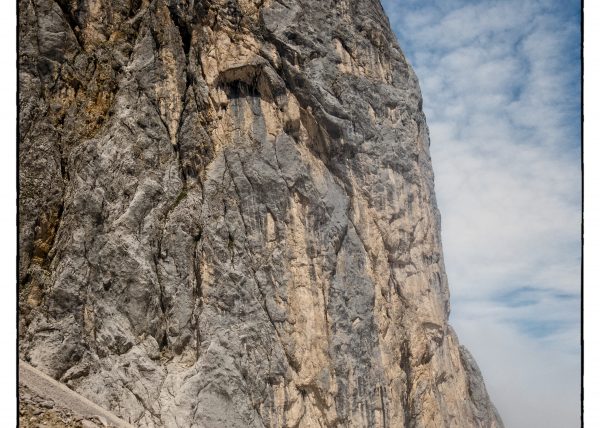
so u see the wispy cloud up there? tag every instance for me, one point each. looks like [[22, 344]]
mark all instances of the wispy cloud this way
[[500, 82]]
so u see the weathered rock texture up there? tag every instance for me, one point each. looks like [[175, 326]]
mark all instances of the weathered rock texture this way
[[227, 217]]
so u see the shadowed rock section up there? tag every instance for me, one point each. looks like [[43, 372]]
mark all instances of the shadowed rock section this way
[[227, 217]]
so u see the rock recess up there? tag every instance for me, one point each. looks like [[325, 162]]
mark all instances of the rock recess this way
[[227, 217]]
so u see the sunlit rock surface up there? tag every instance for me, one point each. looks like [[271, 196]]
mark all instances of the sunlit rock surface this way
[[227, 217]]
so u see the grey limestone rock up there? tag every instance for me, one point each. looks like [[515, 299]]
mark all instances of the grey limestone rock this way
[[227, 217]]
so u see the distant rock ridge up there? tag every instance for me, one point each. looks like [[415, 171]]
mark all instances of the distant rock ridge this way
[[227, 217]]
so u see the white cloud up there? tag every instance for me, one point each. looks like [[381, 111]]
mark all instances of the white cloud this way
[[500, 82]]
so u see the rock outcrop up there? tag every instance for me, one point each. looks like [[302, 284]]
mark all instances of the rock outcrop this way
[[227, 217]]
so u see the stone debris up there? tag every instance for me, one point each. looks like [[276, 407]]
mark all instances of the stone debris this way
[[35, 411]]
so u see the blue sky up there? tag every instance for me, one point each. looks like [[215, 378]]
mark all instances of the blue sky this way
[[501, 89]]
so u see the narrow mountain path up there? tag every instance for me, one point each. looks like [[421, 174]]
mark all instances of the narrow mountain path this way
[[61, 396]]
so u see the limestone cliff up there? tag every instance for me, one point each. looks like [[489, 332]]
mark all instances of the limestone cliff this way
[[227, 217]]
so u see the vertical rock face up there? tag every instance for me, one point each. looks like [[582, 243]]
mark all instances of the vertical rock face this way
[[227, 217]]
